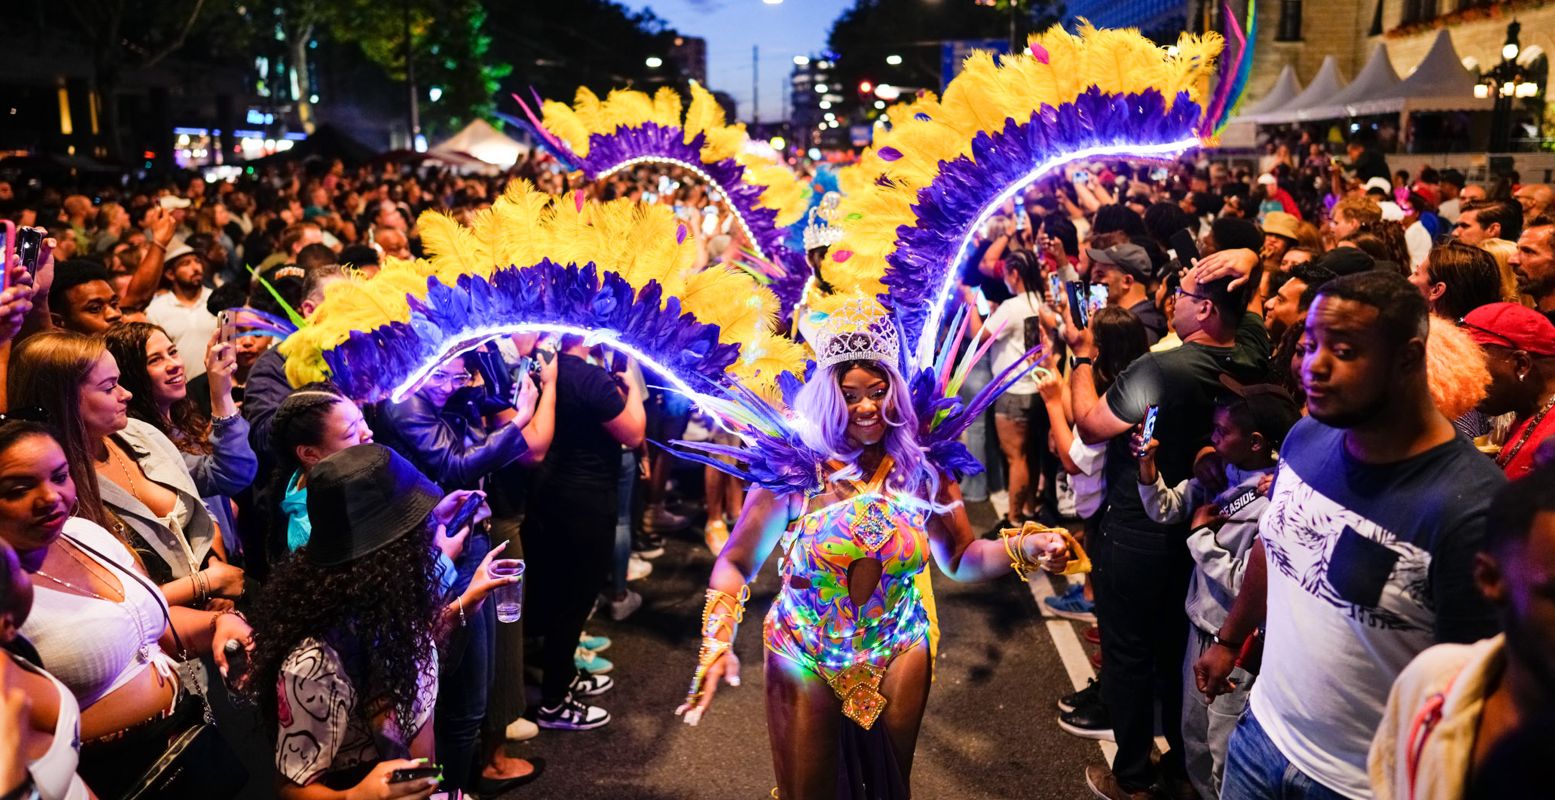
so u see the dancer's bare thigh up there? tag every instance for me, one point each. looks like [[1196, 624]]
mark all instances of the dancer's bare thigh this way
[[803, 715], [906, 687]]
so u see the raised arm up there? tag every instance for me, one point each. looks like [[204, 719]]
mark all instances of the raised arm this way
[[963, 556]]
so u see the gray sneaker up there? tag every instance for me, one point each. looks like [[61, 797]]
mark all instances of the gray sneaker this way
[[625, 606]]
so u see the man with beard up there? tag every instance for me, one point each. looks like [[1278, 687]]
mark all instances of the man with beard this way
[[1534, 264], [1485, 692], [182, 311], [1365, 554]]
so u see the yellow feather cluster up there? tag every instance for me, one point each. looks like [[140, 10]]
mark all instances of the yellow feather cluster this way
[[930, 130], [782, 191], [524, 226]]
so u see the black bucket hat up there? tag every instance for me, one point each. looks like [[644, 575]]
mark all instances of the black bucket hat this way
[[363, 499]]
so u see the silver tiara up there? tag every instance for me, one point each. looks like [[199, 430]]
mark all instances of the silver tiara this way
[[822, 229], [859, 331]]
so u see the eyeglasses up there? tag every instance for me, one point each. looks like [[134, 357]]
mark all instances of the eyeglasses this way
[[1464, 323], [1179, 292], [457, 380], [29, 414]]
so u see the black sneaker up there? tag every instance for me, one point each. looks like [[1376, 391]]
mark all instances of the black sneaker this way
[[647, 545], [587, 684], [572, 715], [1090, 695], [1088, 722]]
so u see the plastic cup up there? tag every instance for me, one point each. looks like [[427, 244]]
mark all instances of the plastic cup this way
[[509, 596]]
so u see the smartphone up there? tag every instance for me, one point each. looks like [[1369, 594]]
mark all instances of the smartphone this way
[[983, 308], [237, 661], [1032, 331], [7, 235], [650, 198], [1185, 246], [1080, 176], [1055, 286], [465, 513], [29, 247], [1079, 310], [1098, 298], [226, 327], [709, 221], [416, 773], [1149, 427], [1158, 174], [1020, 218]]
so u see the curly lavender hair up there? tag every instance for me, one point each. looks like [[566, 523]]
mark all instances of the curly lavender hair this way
[[823, 423]]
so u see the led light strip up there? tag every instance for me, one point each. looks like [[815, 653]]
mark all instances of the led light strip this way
[[728, 199], [925, 354], [479, 336]]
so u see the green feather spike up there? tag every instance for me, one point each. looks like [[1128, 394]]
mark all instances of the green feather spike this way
[[291, 313]]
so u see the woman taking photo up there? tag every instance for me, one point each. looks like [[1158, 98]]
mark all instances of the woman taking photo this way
[[346, 669], [130, 477], [107, 633], [215, 449]]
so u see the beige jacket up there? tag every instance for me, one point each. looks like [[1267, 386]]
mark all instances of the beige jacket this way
[[1462, 672]]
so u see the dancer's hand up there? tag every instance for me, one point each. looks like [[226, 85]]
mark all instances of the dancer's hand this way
[[726, 668]]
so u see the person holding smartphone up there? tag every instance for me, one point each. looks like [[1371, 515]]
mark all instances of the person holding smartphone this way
[[1016, 326], [345, 668]]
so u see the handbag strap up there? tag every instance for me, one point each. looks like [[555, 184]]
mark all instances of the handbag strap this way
[[183, 652]]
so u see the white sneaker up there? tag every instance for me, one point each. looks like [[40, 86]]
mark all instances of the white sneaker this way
[[521, 730], [637, 569], [572, 715], [626, 606]]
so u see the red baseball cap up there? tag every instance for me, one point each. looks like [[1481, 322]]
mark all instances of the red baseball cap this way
[[1511, 325]]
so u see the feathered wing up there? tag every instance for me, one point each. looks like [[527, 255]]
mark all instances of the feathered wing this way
[[618, 271], [771, 453]]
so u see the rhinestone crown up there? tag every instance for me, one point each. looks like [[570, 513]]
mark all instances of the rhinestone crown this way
[[859, 331], [822, 229]]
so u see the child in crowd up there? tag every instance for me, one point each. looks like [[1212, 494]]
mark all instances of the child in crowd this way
[[1247, 436]]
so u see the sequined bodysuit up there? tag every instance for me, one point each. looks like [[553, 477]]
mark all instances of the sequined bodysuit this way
[[815, 623]]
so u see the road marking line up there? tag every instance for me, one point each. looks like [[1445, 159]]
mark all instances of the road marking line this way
[[1072, 653]]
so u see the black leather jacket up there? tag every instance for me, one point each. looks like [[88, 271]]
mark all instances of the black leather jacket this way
[[449, 446]]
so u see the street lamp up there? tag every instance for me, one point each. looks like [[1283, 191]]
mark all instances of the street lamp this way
[[1506, 83], [893, 60], [801, 61], [653, 62]]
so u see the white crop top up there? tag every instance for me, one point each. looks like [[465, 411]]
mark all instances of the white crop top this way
[[54, 772], [93, 645]]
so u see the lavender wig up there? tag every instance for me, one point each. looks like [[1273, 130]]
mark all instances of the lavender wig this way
[[822, 421]]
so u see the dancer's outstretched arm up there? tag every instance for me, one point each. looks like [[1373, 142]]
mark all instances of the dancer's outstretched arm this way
[[964, 557], [762, 522]]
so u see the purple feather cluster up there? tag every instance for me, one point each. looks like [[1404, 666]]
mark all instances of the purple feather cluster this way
[[926, 251], [369, 365], [942, 444], [782, 463], [654, 141]]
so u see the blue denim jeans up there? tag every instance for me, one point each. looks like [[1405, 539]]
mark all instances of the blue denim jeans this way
[[623, 548], [1257, 770], [465, 680]]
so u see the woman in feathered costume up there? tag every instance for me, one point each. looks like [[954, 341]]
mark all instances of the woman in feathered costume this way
[[848, 632], [857, 486]]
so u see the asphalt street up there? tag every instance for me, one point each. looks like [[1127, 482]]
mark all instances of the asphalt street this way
[[989, 731]]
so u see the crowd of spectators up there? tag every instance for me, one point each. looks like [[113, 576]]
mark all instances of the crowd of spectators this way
[[1285, 428]]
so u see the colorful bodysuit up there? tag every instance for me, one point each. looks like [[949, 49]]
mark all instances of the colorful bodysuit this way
[[814, 621]]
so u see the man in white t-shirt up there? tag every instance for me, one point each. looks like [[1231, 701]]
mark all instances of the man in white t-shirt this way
[[182, 311]]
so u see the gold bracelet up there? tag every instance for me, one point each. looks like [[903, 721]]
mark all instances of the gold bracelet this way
[[721, 611]]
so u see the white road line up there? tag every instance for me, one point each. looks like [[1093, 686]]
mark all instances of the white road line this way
[[1072, 652]]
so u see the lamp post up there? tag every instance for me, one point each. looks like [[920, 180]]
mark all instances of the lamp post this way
[[1506, 83]]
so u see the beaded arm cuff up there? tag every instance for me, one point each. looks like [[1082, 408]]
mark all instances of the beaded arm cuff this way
[[1015, 547], [723, 612]]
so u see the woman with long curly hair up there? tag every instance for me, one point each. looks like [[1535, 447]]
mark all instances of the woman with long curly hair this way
[[215, 449], [345, 666]]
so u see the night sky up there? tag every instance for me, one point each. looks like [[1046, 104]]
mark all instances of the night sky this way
[[732, 27]]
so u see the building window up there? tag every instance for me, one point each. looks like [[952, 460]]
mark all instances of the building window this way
[[1290, 21]]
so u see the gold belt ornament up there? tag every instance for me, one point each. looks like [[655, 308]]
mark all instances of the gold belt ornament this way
[[858, 687]]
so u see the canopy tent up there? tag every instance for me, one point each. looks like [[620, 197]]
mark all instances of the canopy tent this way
[[1286, 88], [1439, 83], [479, 142], [1376, 80], [1325, 84]]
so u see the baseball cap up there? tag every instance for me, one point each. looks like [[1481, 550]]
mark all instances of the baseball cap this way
[[1511, 325], [1343, 261], [1130, 258], [1267, 180], [1282, 224], [172, 201]]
